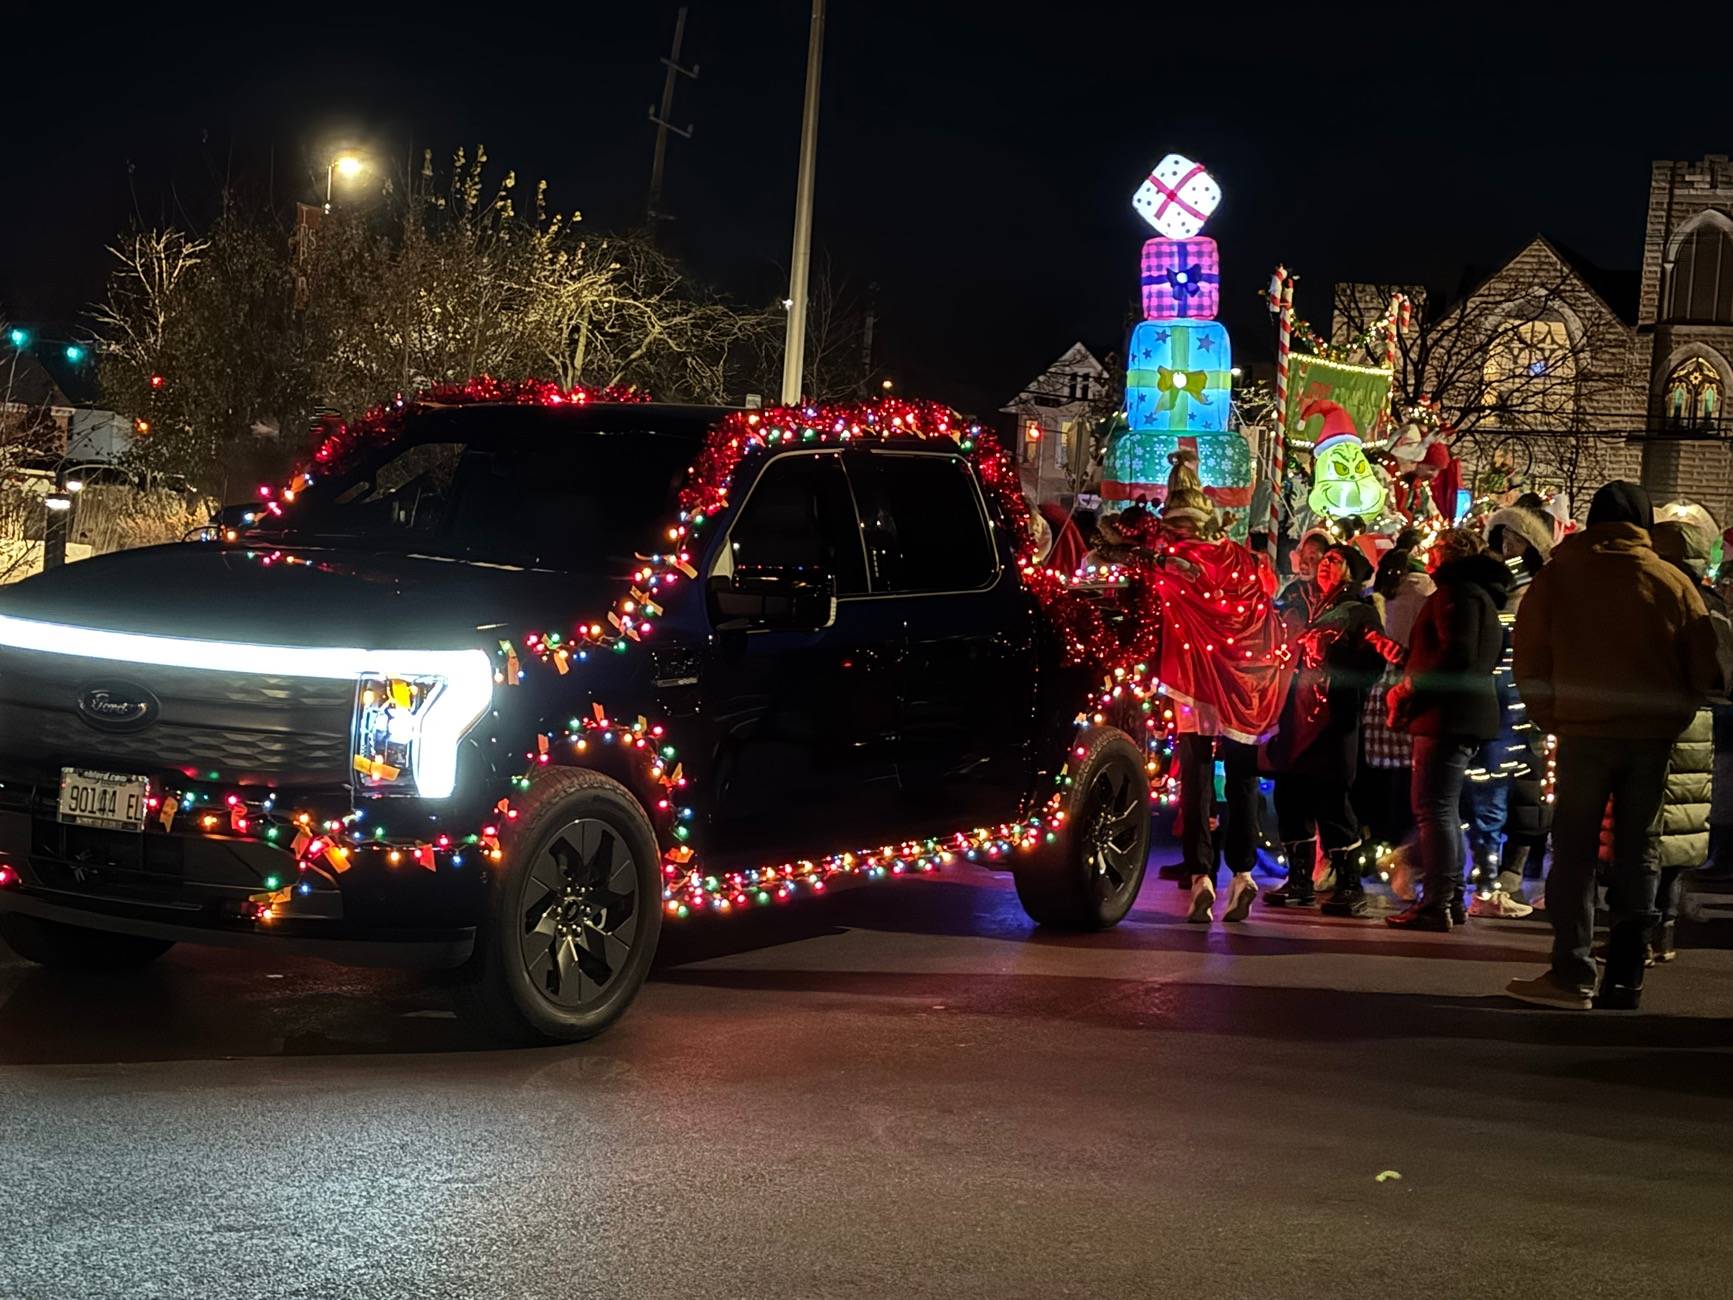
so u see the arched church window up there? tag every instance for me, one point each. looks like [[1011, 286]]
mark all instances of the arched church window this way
[[1701, 285], [1694, 393]]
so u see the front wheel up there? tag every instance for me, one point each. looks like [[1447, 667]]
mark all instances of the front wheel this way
[[72, 947], [1089, 879], [573, 916]]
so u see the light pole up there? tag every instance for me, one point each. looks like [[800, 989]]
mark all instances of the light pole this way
[[794, 348], [347, 165]]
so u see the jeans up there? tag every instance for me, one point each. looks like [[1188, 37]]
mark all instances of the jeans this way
[[1440, 763], [1667, 891], [1197, 798], [1485, 807], [1633, 773], [1315, 807]]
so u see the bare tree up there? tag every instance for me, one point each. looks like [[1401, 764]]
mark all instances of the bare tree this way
[[628, 314], [28, 438], [251, 330]]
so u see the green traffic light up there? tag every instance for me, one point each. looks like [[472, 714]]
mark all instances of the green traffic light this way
[[74, 353], [19, 337]]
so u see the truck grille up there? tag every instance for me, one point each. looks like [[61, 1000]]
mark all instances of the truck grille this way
[[248, 728]]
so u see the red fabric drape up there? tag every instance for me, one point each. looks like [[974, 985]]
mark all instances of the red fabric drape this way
[[1068, 545], [1221, 658]]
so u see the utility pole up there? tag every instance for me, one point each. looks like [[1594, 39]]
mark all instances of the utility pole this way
[[663, 125], [794, 349], [866, 339]]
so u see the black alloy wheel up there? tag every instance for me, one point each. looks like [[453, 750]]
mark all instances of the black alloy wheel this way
[[1114, 828], [574, 913], [578, 898], [1089, 878]]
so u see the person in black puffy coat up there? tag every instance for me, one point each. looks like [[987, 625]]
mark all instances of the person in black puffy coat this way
[[1449, 704]]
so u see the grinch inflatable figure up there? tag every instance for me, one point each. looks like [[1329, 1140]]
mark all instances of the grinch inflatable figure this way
[[1343, 483]]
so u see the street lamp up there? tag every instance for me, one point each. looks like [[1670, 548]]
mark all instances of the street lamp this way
[[347, 165]]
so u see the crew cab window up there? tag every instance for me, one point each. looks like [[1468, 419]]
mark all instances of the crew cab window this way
[[801, 512], [923, 523]]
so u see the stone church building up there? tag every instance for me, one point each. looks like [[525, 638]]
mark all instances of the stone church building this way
[[1559, 375]]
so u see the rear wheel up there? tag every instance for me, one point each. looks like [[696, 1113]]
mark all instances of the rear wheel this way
[[574, 913], [1089, 879], [72, 947]]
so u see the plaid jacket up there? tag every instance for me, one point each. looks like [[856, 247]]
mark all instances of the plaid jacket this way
[[1384, 747]]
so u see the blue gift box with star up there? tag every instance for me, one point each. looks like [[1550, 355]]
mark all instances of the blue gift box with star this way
[[1177, 376], [1181, 279]]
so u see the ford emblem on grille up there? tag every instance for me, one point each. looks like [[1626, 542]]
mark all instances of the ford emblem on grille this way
[[117, 706]]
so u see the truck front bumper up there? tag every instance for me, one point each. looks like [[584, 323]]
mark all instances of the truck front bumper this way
[[203, 888]]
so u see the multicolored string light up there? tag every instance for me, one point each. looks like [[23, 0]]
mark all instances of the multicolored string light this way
[[327, 848]]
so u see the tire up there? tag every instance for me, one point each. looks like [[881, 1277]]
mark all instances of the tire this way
[[573, 915], [1090, 878], [72, 947]]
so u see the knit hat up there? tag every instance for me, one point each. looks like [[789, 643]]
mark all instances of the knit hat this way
[[1185, 496], [1621, 502]]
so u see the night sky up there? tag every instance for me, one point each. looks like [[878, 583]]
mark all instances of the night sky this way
[[978, 165]]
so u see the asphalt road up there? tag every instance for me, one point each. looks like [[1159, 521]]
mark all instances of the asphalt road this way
[[900, 1092]]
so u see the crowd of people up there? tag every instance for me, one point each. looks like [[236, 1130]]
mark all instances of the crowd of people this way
[[1500, 703]]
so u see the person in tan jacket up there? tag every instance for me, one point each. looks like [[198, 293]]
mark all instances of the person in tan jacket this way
[[1614, 655]]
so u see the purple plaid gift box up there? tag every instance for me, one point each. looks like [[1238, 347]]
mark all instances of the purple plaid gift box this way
[[1181, 279]]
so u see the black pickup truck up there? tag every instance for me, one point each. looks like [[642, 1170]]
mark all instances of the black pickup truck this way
[[521, 680]]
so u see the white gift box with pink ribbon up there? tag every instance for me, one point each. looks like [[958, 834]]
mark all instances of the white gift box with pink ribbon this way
[[1178, 197]]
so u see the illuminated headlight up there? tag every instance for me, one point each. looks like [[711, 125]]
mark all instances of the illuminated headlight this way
[[408, 726], [446, 691]]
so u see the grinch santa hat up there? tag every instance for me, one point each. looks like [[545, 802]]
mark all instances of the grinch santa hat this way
[[1338, 424]]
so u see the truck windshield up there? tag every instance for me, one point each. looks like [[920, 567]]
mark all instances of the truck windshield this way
[[580, 501]]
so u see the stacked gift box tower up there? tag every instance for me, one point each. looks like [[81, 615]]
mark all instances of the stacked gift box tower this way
[[1179, 363]]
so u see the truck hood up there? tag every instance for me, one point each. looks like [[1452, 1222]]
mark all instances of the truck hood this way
[[306, 596]]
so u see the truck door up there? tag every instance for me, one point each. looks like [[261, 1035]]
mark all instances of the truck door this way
[[966, 683], [803, 723]]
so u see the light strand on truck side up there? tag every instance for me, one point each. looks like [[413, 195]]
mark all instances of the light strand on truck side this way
[[328, 848]]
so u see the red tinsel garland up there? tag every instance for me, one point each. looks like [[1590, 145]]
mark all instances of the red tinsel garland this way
[[343, 438]]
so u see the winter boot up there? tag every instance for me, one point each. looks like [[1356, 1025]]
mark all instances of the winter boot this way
[[1622, 976], [1350, 896], [1297, 892], [1419, 915], [1203, 899]]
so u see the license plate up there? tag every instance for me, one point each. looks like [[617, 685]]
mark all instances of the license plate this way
[[112, 800]]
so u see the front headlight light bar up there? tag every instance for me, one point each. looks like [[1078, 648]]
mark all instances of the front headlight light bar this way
[[449, 690]]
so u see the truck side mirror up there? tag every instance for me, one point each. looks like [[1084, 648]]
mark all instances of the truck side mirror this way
[[789, 596]]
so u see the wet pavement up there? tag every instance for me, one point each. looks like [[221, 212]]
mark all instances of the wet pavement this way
[[905, 1090]]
